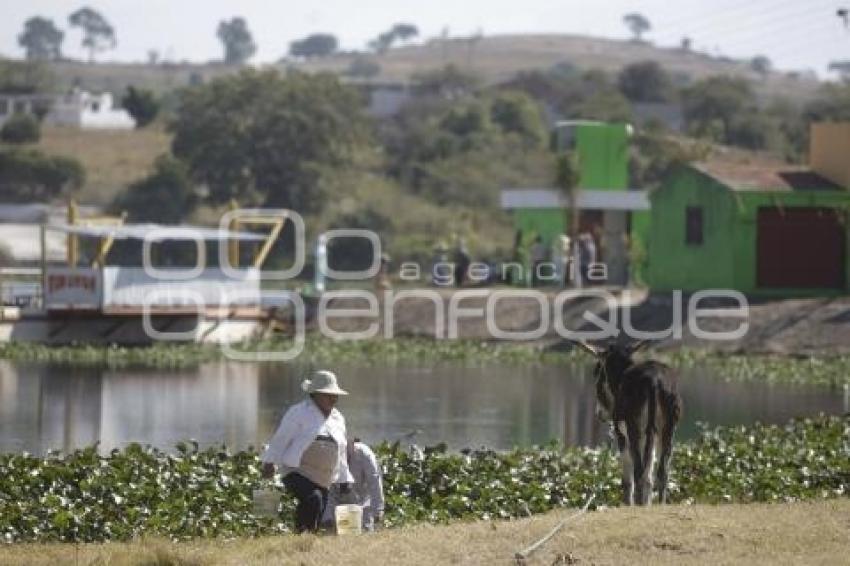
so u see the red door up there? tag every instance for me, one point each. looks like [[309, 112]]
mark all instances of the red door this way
[[800, 248]]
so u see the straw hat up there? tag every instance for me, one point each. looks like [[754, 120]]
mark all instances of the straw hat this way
[[322, 381]]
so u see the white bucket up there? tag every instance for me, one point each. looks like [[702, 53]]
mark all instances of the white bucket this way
[[266, 502], [349, 519]]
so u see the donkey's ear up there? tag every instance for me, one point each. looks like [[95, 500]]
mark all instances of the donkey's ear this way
[[639, 345], [586, 347]]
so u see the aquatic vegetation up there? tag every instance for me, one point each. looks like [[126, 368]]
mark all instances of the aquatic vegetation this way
[[832, 371], [191, 492]]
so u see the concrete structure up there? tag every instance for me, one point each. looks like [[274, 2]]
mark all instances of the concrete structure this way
[[758, 227], [88, 111], [614, 214], [77, 108]]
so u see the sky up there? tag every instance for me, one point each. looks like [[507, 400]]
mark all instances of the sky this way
[[794, 34]]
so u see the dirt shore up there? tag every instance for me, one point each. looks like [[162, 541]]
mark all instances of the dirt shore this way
[[796, 533], [788, 326]]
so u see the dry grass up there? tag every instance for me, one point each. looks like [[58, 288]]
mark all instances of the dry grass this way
[[112, 159], [801, 533]]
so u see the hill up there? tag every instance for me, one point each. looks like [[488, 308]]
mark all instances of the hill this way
[[495, 58]]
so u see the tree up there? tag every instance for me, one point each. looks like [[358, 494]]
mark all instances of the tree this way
[[264, 138], [98, 34], [832, 104], [165, 196], [399, 32], [238, 43], [41, 39], [404, 32], [761, 65], [141, 104], [646, 81], [31, 176], [516, 113], [711, 105], [316, 45], [638, 24], [20, 129], [567, 179]]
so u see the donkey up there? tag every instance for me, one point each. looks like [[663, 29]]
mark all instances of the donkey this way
[[641, 402]]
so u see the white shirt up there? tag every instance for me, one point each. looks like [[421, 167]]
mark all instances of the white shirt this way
[[300, 426], [367, 477]]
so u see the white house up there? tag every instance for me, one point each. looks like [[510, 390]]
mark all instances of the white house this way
[[77, 108], [89, 112]]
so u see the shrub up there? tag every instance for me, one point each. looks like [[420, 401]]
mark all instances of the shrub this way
[[21, 128], [32, 176]]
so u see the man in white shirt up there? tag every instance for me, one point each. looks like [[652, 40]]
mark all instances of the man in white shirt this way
[[309, 448]]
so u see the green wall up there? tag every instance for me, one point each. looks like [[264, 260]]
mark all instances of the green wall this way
[[603, 153], [727, 258], [674, 265]]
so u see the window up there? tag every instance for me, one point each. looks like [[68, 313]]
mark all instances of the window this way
[[693, 226]]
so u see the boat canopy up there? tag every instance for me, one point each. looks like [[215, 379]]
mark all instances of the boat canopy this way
[[156, 232]]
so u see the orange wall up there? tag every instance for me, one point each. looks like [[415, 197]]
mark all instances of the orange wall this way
[[829, 151]]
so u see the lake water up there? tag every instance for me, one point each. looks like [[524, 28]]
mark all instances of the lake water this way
[[239, 404]]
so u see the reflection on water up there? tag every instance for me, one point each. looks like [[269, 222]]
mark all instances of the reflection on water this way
[[49, 406]]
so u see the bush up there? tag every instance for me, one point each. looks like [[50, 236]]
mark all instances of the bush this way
[[141, 104], [165, 196], [21, 128], [32, 176]]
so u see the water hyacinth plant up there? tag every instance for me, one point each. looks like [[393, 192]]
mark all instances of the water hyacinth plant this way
[[190, 493], [831, 371]]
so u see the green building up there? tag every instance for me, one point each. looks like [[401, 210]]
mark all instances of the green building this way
[[609, 209], [762, 228]]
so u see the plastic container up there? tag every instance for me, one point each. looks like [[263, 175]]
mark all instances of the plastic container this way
[[266, 503], [349, 519]]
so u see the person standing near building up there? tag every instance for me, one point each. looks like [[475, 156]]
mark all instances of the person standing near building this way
[[309, 449], [538, 256]]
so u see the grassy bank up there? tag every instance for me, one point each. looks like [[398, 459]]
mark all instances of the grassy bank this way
[[193, 494], [798, 533], [833, 371]]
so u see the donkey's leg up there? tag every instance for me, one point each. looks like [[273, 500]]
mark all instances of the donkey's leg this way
[[634, 450], [664, 461], [645, 485], [626, 461]]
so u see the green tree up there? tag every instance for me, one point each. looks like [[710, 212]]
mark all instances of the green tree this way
[[98, 34], [141, 104], [567, 179], [711, 105], [646, 81], [21, 129], [516, 113], [41, 39], [237, 41], [404, 32], [31, 176], [638, 24], [265, 138], [832, 104], [315, 45], [165, 196]]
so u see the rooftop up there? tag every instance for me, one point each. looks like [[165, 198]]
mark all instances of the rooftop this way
[[763, 175]]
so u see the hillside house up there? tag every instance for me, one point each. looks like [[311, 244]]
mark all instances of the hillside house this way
[[756, 226]]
